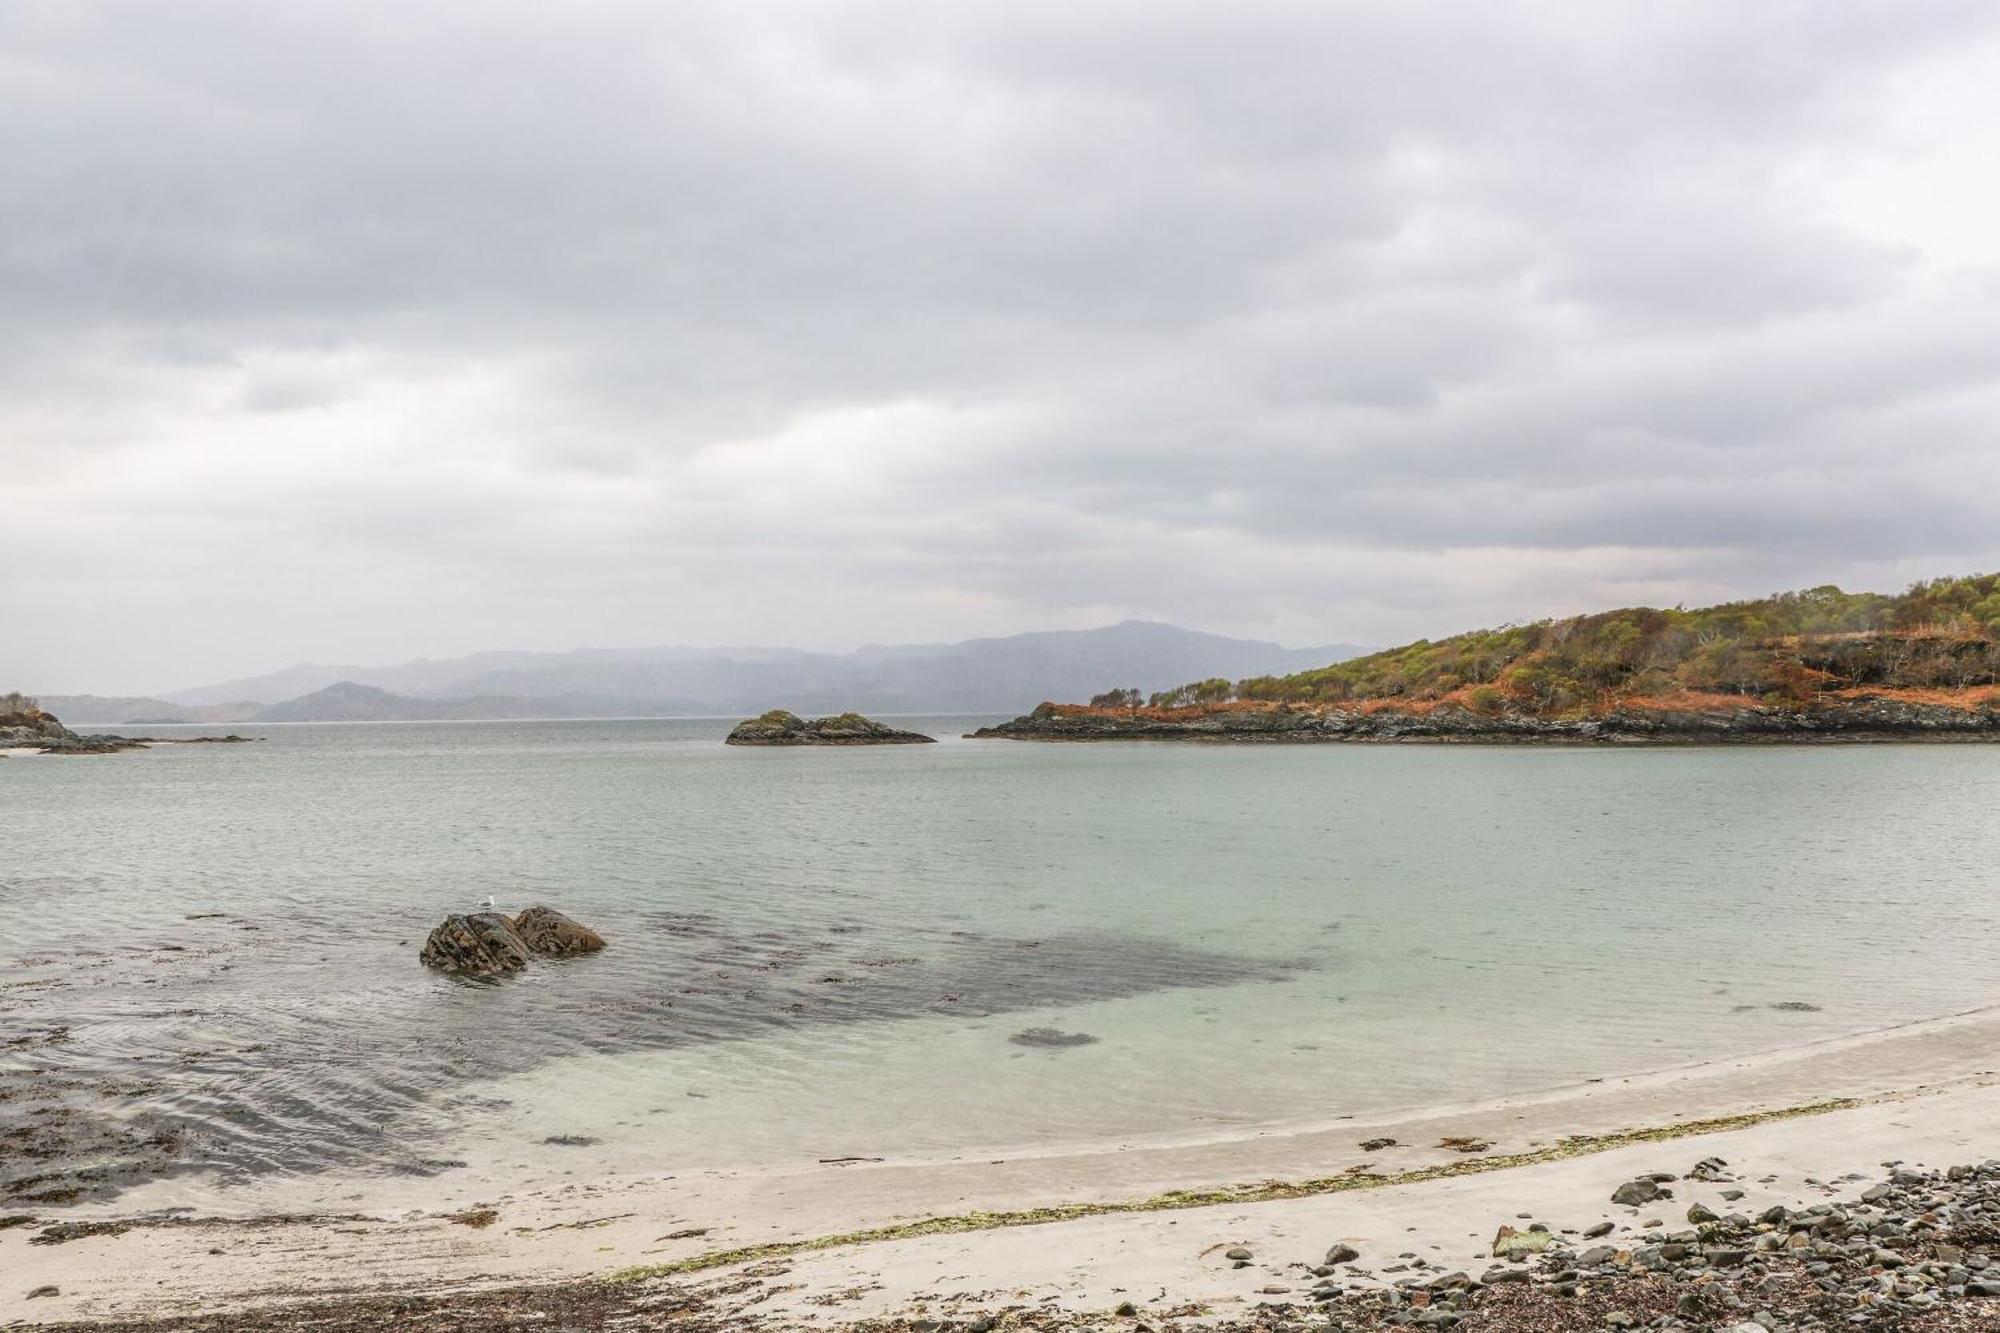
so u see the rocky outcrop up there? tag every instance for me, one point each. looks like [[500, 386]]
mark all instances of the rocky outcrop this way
[[23, 725], [779, 727], [477, 944], [1865, 718], [552, 935], [491, 944]]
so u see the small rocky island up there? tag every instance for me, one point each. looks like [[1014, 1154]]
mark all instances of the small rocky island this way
[[779, 727]]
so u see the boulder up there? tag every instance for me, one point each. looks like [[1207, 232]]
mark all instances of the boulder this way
[[551, 934], [478, 944]]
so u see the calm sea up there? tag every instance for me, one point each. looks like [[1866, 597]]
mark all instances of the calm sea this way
[[825, 953]]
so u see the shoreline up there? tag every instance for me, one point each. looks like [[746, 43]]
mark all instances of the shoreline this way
[[381, 1197], [1859, 717], [1500, 740], [850, 1217]]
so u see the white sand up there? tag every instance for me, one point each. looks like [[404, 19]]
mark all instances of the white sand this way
[[1165, 1259], [1929, 1085]]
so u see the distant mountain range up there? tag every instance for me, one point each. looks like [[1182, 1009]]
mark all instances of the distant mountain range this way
[[977, 676]]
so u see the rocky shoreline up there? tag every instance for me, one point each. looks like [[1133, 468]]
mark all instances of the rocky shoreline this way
[[1915, 1250], [1866, 718]]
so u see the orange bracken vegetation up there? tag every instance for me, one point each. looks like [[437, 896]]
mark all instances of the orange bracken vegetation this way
[[1936, 643]]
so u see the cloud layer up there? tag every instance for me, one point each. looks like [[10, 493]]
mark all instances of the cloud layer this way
[[361, 331]]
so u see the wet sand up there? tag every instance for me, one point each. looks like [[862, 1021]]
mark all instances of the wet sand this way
[[1073, 1232]]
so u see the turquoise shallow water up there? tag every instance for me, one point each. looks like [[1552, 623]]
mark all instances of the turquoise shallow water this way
[[826, 953]]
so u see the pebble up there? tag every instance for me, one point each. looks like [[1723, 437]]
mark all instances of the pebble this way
[[1918, 1248]]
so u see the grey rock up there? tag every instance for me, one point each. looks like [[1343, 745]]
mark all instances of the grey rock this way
[[547, 932], [479, 944]]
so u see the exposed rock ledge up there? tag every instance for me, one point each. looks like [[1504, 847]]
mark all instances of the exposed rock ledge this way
[[1845, 719], [25, 726], [778, 727]]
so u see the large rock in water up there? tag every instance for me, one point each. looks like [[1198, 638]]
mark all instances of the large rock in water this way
[[548, 932], [479, 944], [779, 727]]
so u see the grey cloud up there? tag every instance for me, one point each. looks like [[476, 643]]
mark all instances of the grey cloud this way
[[376, 330]]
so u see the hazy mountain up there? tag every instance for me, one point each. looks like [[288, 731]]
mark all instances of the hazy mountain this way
[[345, 701], [979, 675], [96, 710]]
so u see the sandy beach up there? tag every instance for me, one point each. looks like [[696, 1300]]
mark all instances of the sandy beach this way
[[1076, 1232]]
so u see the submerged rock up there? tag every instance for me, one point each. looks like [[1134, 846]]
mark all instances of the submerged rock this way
[[1054, 1038], [478, 944], [551, 934], [779, 727]]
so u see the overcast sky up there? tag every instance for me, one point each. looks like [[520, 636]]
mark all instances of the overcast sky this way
[[356, 332]]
